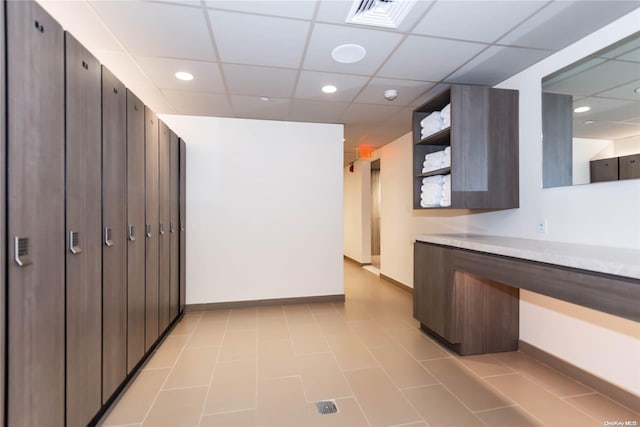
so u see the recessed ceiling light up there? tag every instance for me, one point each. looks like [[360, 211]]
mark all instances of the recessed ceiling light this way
[[183, 75], [348, 53], [589, 122], [264, 98], [637, 90], [329, 89], [582, 109]]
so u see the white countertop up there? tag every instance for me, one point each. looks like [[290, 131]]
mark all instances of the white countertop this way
[[602, 259]]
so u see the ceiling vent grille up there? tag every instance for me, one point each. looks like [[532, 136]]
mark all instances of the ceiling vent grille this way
[[379, 13]]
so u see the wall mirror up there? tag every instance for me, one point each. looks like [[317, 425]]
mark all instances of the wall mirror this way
[[591, 118]]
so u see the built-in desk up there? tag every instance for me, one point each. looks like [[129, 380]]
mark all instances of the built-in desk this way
[[466, 287]]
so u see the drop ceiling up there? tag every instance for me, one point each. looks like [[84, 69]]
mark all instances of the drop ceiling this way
[[240, 51]]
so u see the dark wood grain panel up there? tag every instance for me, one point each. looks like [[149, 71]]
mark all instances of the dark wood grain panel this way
[[485, 315], [164, 211], [603, 170], [114, 216], [136, 243], [174, 226], [35, 74], [152, 223], [557, 140], [629, 166], [83, 215], [183, 224], [3, 282], [615, 295]]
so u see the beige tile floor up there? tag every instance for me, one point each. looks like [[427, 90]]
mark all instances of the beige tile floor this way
[[267, 366]]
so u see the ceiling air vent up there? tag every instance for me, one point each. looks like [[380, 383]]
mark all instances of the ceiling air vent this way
[[379, 13]]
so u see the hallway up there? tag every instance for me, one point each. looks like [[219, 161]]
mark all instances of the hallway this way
[[268, 366]]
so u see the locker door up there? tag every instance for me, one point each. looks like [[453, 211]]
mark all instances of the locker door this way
[[35, 73], [174, 236], [164, 229], [135, 230], [114, 233], [84, 251], [2, 213], [151, 227], [183, 223]]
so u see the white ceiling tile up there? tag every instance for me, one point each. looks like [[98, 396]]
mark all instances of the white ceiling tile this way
[[428, 59], [325, 38], [408, 90], [124, 68], [626, 91], [310, 86], [634, 56], [496, 64], [564, 22], [301, 9], [158, 29], [260, 81], [253, 107], [259, 40], [483, 21], [206, 75], [369, 114], [336, 11], [603, 109], [82, 22], [199, 104], [303, 110]]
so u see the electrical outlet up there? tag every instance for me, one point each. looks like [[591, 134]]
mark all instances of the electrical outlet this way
[[541, 225]]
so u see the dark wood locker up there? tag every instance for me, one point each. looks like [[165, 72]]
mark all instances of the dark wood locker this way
[[135, 231], [183, 224], [164, 227], [629, 166], [114, 233], [151, 227], [174, 225], [603, 170], [36, 233], [83, 251], [2, 215]]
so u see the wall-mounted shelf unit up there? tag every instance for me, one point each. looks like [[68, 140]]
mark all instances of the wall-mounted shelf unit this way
[[483, 139]]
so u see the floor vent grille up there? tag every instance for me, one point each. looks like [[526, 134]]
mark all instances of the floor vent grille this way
[[326, 407]]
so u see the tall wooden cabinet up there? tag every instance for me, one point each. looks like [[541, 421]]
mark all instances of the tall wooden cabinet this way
[[152, 225], [91, 225], [164, 217], [482, 137], [83, 242], [36, 282], [183, 223], [114, 219], [174, 225], [135, 231]]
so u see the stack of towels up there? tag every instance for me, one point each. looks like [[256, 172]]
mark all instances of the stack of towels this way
[[436, 121], [436, 191], [437, 160]]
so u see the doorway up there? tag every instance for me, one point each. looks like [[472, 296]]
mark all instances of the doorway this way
[[375, 213]]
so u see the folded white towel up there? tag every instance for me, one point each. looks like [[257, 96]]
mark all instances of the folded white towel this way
[[445, 115], [433, 119], [431, 188], [435, 179], [446, 160], [445, 200], [428, 205], [430, 199]]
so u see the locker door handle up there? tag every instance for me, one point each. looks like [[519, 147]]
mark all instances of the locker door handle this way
[[181, 226], [108, 235], [148, 230], [74, 242], [161, 229], [131, 233], [172, 229], [21, 251]]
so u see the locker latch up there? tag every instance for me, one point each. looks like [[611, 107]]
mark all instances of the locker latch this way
[[74, 242], [108, 235], [162, 229], [21, 251], [148, 230], [131, 233]]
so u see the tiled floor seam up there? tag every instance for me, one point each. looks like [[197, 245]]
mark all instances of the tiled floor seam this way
[[591, 416]]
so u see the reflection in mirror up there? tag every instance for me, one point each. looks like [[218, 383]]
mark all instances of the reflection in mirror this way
[[591, 118]]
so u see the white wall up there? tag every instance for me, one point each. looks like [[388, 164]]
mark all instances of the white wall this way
[[585, 150], [357, 211], [264, 208], [597, 214]]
